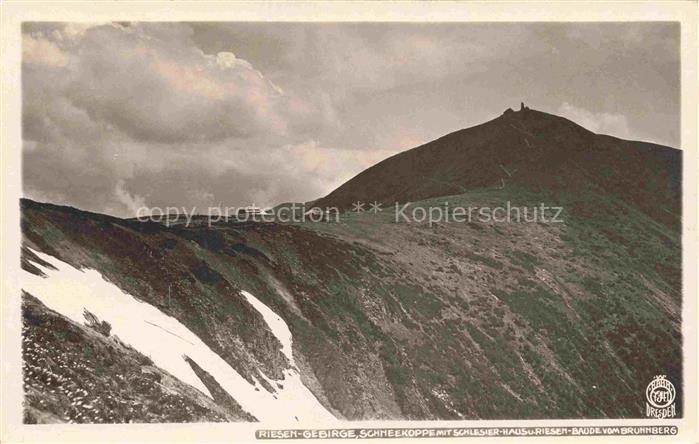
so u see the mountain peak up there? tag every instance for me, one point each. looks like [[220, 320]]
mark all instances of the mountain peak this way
[[546, 151]]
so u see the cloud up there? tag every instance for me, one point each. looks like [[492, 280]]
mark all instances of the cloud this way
[[132, 202], [110, 108], [601, 123], [37, 50], [155, 85]]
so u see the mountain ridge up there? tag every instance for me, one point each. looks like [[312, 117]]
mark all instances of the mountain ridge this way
[[472, 320], [505, 150]]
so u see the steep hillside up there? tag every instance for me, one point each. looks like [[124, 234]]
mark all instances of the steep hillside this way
[[402, 320], [529, 148], [81, 374]]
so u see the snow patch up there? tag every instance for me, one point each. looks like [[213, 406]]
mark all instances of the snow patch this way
[[69, 291], [293, 391], [275, 323]]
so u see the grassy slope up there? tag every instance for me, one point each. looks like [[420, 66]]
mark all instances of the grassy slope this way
[[560, 320], [411, 321]]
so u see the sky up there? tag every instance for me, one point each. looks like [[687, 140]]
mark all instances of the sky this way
[[119, 116]]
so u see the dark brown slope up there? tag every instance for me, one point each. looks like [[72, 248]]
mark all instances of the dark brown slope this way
[[529, 148]]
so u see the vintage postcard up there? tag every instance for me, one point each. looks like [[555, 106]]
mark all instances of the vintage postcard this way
[[433, 222]]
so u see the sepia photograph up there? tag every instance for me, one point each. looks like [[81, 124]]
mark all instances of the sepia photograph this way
[[351, 229]]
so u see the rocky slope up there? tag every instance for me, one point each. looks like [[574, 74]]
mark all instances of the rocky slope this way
[[413, 320], [78, 374]]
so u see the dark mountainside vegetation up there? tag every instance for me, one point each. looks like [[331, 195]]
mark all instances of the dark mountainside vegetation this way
[[410, 320]]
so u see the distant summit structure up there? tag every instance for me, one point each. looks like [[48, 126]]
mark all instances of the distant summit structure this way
[[510, 111]]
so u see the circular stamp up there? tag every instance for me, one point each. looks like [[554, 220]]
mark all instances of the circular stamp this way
[[660, 392]]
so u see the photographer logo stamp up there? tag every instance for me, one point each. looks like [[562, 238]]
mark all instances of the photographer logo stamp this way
[[660, 398]]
